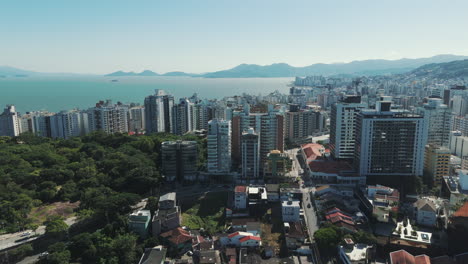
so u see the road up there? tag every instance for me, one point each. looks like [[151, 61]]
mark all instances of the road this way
[[15, 239], [296, 169]]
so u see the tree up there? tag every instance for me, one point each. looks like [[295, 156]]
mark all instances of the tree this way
[[56, 227], [152, 204], [327, 239]]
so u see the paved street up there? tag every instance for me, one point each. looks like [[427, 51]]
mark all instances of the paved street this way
[[14, 239]]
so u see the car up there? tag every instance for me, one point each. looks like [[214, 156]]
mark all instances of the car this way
[[25, 234], [43, 254], [308, 206]]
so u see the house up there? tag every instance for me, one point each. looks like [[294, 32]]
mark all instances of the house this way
[[272, 192], [177, 238], [156, 255], [238, 239], [167, 201], [209, 257], [240, 224], [240, 197], [352, 253], [291, 211], [403, 257], [254, 227], [425, 212], [460, 217], [138, 222], [294, 235], [287, 194]]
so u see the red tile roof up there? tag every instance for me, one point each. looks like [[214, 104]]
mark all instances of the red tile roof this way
[[403, 257], [462, 211], [233, 234], [312, 151], [249, 238], [177, 236], [240, 189]]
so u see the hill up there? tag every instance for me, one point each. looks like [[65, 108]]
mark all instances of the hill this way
[[447, 70], [122, 73]]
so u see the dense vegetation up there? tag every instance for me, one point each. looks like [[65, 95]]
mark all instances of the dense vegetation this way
[[107, 174]]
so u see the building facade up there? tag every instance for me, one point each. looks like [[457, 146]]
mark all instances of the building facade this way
[[179, 160], [250, 144], [158, 112], [219, 146], [9, 125], [438, 118]]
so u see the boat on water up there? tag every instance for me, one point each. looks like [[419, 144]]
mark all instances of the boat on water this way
[[114, 80]]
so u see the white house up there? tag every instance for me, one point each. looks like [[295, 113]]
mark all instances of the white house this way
[[425, 212]]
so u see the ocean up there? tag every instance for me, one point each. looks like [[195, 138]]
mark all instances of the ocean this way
[[62, 93]]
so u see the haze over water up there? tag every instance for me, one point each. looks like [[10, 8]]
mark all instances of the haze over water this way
[[64, 93]]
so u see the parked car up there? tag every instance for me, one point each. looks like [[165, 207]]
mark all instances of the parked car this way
[[25, 234]]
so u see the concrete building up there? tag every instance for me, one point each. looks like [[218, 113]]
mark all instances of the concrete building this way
[[41, 123], [458, 144], [240, 197], [268, 125], [425, 212], [436, 164], [438, 118], [168, 215], [158, 112], [455, 188], [302, 123], [389, 142], [290, 211], [219, 146], [182, 117], [351, 253], [138, 222], [136, 119], [108, 117], [179, 160], [343, 121], [9, 124], [67, 124], [200, 116], [250, 157]]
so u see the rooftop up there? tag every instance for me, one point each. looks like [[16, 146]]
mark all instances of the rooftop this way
[[330, 167], [240, 189], [403, 257], [462, 211], [357, 253]]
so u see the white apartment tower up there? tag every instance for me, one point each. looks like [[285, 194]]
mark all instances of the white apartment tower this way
[[343, 126], [9, 124], [438, 117], [219, 146]]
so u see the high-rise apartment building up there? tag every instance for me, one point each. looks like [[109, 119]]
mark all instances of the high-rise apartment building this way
[[389, 142], [67, 124], [436, 164], [158, 112], [343, 126], [9, 124], [250, 146], [182, 117], [219, 146], [179, 160], [136, 119], [302, 123], [108, 117], [438, 118], [200, 116], [41, 123]]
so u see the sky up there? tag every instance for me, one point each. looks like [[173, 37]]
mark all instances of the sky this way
[[102, 36]]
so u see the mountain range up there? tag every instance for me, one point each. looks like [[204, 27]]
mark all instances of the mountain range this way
[[447, 70], [355, 68]]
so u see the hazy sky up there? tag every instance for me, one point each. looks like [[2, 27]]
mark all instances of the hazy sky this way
[[101, 36]]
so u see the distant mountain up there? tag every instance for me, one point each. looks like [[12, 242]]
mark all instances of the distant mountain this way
[[180, 74], [122, 73], [447, 70], [6, 71], [365, 67]]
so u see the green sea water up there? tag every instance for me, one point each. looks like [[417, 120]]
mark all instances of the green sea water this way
[[62, 93]]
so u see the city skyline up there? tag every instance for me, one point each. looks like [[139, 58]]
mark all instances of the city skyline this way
[[209, 36]]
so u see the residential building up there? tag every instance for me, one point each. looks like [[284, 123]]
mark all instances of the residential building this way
[[9, 124], [177, 239], [179, 160], [240, 197], [389, 142], [425, 212], [290, 211], [458, 144], [67, 124], [138, 222], [250, 146], [402, 256], [41, 123], [351, 253], [182, 117], [200, 116], [156, 255], [168, 215], [241, 239], [436, 164], [136, 119], [343, 121], [455, 188], [108, 117], [438, 118], [219, 146], [158, 112], [302, 123]]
